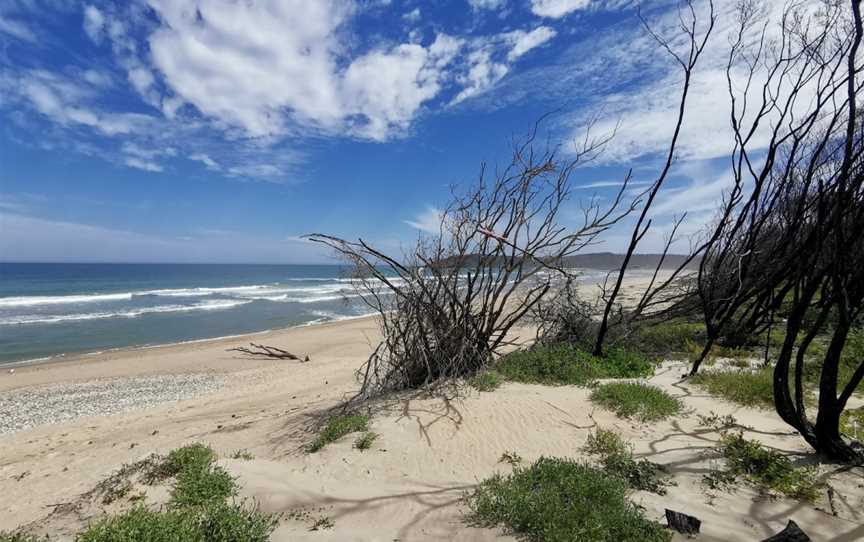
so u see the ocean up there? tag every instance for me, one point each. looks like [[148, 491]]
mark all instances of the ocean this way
[[55, 310], [50, 310]]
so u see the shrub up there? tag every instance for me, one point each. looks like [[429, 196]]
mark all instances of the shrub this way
[[217, 523], [191, 456], [242, 454], [486, 381], [616, 457], [337, 427], [636, 400], [364, 441], [665, 338], [559, 500], [751, 388], [567, 365], [201, 485], [852, 423], [769, 470]]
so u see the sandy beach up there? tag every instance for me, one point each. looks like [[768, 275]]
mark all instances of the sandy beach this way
[[118, 407]]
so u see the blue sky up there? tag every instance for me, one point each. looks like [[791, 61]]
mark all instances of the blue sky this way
[[221, 131]]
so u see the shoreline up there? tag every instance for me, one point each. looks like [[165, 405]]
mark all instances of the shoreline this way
[[79, 356]]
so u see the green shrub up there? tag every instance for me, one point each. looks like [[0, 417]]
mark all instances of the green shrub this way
[[769, 470], [197, 486], [486, 381], [752, 388], [666, 338], [191, 456], [364, 441], [568, 365], [852, 423], [557, 500], [337, 427], [636, 400], [616, 457], [216, 523]]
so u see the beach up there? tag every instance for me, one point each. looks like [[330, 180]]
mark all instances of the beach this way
[[408, 486]]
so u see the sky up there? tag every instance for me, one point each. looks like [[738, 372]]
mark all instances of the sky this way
[[224, 130]]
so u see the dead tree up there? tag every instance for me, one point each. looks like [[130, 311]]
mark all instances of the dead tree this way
[[687, 61], [789, 238], [447, 308], [262, 350]]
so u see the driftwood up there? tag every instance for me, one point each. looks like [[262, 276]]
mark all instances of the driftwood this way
[[683, 523], [792, 533], [268, 352]]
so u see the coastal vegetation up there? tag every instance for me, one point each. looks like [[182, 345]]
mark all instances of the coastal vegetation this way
[[776, 275], [636, 400], [557, 499], [337, 427]]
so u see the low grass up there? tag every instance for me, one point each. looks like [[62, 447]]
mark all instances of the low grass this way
[[769, 470], [569, 365], [190, 457], [365, 441], [336, 428], [215, 523], [636, 400], [198, 509], [245, 455], [557, 500], [852, 423], [751, 388], [486, 381], [616, 458], [665, 338], [202, 486]]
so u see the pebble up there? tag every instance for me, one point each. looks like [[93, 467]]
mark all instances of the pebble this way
[[30, 407]]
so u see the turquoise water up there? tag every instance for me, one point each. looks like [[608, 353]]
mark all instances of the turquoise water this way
[[48, 310]]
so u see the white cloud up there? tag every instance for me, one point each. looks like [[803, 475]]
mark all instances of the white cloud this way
[[63, 102], [525, 41], [94, 23], [206, 160], [556, 9], [388, 87], [145, 165], [412, 16], [487, 4], [16, 29], [428, 221], [490, 58], [606, 184]]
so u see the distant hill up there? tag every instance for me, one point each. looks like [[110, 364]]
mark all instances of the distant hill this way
[[606, 261]]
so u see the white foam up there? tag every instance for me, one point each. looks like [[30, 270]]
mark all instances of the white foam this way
[[28, 301], [133, 313]]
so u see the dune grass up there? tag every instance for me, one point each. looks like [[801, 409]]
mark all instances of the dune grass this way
[[336, 428], [365, 441], [616, 458], [489, 380], [559, 500], [569, 365], [767, 469], [636, 400], [751, 388], [852, 423], [214, 523], [198, 509]]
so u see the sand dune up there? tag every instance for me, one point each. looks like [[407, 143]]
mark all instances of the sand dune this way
[[409, 485]]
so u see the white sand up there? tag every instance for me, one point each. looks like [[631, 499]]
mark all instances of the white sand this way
[[410, 484]]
